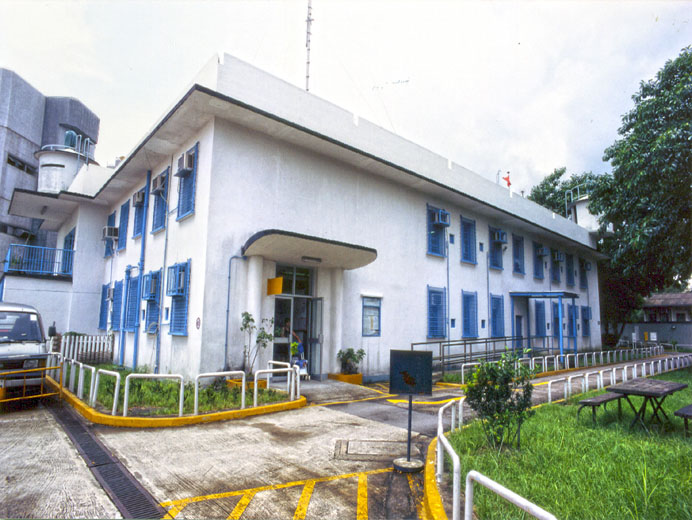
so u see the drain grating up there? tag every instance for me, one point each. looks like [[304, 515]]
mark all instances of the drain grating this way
[[128, 495]]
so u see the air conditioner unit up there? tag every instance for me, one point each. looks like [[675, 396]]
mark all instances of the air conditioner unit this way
[[558, 256], [587, 266], [500, 237], [150, 286], [176, 280], [441, 218], [110, 233], [186, 163], [158, 184], [109, 293], [138, 198], [543, 251]]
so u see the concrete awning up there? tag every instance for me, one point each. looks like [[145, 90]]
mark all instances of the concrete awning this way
[[542, 294], [51, 209], [297, 249]]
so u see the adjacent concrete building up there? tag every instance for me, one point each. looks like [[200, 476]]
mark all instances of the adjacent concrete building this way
[[252, 195]]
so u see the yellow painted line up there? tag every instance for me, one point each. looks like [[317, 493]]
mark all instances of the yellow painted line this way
[[385, 390], [354, 400], [240, 507], [167, 422], [454, 385], [304, 501], [405, 401], [226, 494], [418, 496], [362, 507], [431, 494]]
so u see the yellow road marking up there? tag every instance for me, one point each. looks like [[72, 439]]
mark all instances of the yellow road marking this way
[[418, 495], [240, 507], [405, 401], [304, 501], [179, 505], [362, 507], [354, 400]]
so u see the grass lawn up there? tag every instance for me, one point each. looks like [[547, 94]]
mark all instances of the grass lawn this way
[[152, 397], [580, 470]]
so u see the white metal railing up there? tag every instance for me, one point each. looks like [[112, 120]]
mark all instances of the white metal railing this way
[[283, 364], [130, 377], [507, 494], [95, 392], [95, 349], [230, 373], [290, 374], [457, 419], [550, 390]]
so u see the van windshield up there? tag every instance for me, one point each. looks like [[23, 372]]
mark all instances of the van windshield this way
[[19, 326]]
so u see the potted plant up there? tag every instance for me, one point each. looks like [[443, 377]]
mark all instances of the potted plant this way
[[350, 360]]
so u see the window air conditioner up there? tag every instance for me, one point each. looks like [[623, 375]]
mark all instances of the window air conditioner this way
[[500, 236], [186, 163], [558, 256], [138, 198], [543, 251], [150, 283], [441, 218], [158, 184], [110, 233]]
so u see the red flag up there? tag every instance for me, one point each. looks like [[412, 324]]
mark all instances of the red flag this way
[[506, 179]]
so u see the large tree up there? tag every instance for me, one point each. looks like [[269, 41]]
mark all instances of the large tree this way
[[550, 192]]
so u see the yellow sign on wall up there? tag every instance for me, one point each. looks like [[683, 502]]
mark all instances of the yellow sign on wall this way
[[275, 285]]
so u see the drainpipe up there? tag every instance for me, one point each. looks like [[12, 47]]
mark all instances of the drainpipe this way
[[163, 267], [123, 310], [228, 309], [140, 265], [448, 291]]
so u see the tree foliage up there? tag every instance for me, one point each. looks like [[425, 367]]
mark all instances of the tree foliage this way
[[550, 192]]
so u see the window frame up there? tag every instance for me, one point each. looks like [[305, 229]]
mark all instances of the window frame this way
[[371, 302], [183, 181], [518, 240], [468, 243], [569, 270], [437, 321], [180, 300], [495, 250], [437, 231], [110, 250], [497, 328], [132, 304], [541, 330], [555, 267], [123, 224], [538, 268], [103, 310], [117, 308], [160, 211], [140, 217], [153, 306], [586, 321], [469, 327]]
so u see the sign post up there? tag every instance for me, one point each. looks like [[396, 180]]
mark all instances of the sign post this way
[[410, 373]]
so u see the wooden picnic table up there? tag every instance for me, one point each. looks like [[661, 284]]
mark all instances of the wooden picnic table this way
[[653, 391]]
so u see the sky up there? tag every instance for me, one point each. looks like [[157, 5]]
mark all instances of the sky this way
[[521, 86]]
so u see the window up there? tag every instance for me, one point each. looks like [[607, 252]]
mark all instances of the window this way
[[468, 240], [518, 254], [571, 321], [109, 241], [585, 321], [186, 184], [371, 316], [122, 230], [117, 305], [139, 216], [497, 240], [177, 287], [554, 265], [569, 267], [151, 294], [132, 304], [436, 312], [21, 165], [103, 312], [469, 311], [556, 320], [68, 252], [436, 233], [540, 319], [497, 316], [583, 278], [160, 204], [538, 260]]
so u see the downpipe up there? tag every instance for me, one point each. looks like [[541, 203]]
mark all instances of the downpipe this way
[[228, 308]]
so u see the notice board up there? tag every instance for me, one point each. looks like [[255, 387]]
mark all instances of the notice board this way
[[410, 372]]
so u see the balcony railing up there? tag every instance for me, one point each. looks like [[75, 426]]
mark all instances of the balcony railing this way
[[39, 260]]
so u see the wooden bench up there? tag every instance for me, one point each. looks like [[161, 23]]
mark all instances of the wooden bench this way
[[685, 413], [603, 399]]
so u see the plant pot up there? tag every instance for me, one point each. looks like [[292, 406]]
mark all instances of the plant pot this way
[[354, 379], [249, 384]]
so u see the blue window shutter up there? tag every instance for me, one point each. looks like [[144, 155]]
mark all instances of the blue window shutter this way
[[160, 205], [122, 230], [470, 314], [537, 261], [186, 188], [117, 305], [586, 321], [109, 241], [139, 218], [132, 304], [518, 254], [468, 240], [436, 312], [497, 319], [569, 267], [436, 234], [68, 252], [556, 320], [153, 306], [179, 304], [103, 312], [540, 319]]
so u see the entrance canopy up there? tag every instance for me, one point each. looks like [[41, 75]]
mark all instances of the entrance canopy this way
[[547, 295], [298, 249]]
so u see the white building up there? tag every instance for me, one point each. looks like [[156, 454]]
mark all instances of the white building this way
[[381, 243]]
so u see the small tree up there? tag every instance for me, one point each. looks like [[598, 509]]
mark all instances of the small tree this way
[[264, 337], [500, 393], [350, 359]]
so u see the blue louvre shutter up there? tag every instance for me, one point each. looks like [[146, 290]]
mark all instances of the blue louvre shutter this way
[[132, 304], [122, 230], [186, 194], [153, 305], [117, 305], [109, 241], [540, 319], [497, 319], [470, 314], [139, 217], [556, 320], [160, 206], [586, 321], [468, 243], [436, 313], [569, 267], [103, 312], [179, 303]]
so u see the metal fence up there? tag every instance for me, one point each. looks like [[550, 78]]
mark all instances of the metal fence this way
[[39, 260], [87, 349]]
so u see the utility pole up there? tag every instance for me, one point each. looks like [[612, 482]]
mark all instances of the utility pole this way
[[307, 45]]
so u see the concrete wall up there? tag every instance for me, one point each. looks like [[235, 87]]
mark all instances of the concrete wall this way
[[52, 298], [666, 332], [65, 113]]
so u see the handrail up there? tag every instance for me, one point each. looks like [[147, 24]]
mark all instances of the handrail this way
[[154, 376], [115, 393], [284, 364], [288, 371], [220, 374], [507, 494], [39, 260]]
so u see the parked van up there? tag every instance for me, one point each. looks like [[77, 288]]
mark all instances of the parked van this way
[[22, 347]]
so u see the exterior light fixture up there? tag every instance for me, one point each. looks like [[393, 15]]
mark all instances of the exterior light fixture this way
[[311, 259]]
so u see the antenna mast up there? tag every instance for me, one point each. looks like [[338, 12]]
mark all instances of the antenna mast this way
[[307, 45]]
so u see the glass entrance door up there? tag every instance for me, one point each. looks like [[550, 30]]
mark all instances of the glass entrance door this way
[[314, 354]]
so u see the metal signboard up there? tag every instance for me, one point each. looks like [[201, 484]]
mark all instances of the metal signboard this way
[[410, 372]]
